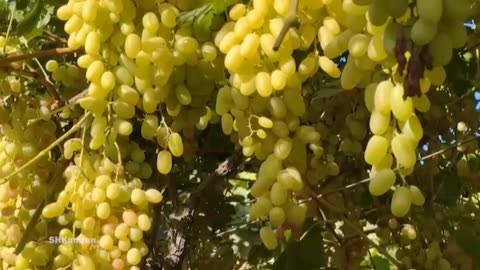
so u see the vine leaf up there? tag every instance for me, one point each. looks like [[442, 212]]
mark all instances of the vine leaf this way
[[29, 21], [32, 23], [380, 263], [307, 254], [202, 17]]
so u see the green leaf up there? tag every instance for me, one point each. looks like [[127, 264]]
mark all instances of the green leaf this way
[[305, 254], [29, 21], [190, 16], [201, 25], [220, 6], [380, 263]]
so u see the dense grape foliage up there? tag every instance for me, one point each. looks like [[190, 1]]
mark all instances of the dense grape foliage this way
[[314, 94]]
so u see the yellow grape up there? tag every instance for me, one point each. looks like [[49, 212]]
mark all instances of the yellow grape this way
[[430, 10], [295, 102], [234, 60], [237, 11], [423, 32], [149, 127], [413, 128], [397, 8], [263, 84], [107, 81], [401, 109], [382, 97], [138, 197], [134, 256], [437, 75], [283, 148], [266, 175], [144, 222], [279, 79], [457, 33], [369, 96], [92, 104], [51, 65], [404, 150], [417, 196], [241, 101], [296, 214], [261, 134], [83, 262], [64, 12], [358, 45], [290, 178], [95, 71], [277, 216], [123, 127], [332, 25], [123, 109], [280, 129], [376, 149], [73, 24], [250, 45], [422, 103], [53, 210], [441, 49], [175, 144], [352, 9], [376, 50], [150, 101], [378, 12], [150, 22], [329, 67], [379, 122], [227, 123], [268, 237], [278, 194], [128, 94], [265, 122], [401, 202], [103, 210], [183, 95], [164, 162], [425, 85], [338, 45], [381, 182], [278, 108], [92, 43], [307, 134], [224, 100], [133, 45], [260, 208]]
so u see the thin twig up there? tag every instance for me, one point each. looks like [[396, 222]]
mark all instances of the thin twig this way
[[290, 21], [381, 250], [51, 89], [45, 151], [366, 180], [40, 54]]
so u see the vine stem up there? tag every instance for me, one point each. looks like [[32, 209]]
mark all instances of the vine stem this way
[[290, 21], [40, 54], [45, 151]]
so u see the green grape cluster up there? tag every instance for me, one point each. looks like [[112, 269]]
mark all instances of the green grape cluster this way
[[137, 58], [106, 209]]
